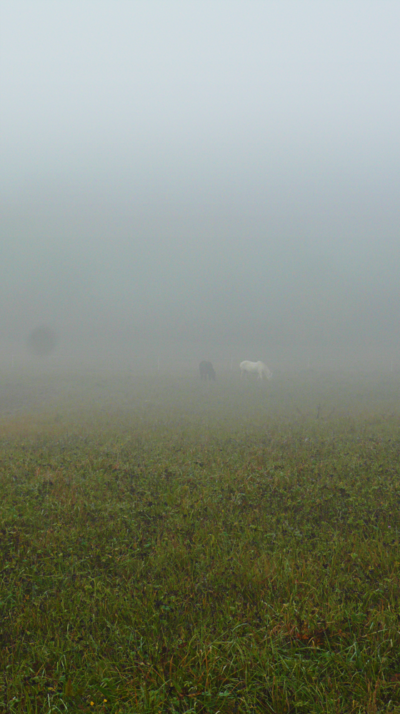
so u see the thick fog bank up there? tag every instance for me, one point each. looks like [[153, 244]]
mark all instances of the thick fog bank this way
[[214, 180]]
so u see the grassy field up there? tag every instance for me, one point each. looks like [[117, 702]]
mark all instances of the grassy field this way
[[172, 546]]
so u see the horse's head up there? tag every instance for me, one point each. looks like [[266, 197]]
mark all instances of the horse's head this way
[[267, 372]]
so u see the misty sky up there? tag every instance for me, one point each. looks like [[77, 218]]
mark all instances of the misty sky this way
[[216, 172]]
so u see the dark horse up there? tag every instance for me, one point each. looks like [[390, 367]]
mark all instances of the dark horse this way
[[206, 370]]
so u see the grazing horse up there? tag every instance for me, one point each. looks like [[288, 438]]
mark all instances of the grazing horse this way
[[206, 370], [259, 368]]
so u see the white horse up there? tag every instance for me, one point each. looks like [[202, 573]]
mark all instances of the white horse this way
[[259, 368]]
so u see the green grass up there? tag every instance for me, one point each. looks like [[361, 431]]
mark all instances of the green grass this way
[[169, 547]]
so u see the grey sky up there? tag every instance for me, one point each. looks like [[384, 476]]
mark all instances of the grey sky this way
[[202, 170]]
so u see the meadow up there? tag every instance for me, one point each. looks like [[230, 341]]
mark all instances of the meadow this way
[[178, 547]]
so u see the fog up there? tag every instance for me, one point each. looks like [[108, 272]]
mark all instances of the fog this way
[[201, 180]]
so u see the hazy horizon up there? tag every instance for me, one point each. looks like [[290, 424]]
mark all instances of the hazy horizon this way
[[217, 180]]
